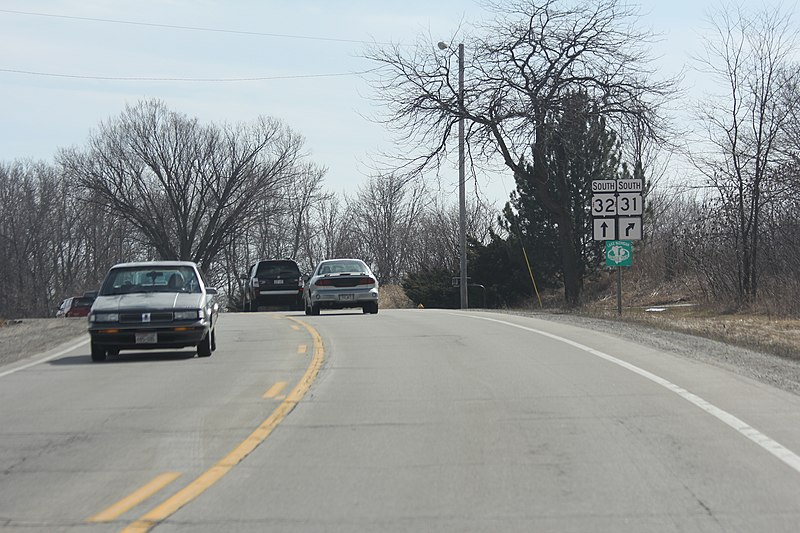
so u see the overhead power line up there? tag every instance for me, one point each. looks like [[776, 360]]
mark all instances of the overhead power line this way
[[142, 78], [190, 28]]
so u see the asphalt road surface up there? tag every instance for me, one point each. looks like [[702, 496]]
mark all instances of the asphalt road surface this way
[[409, 420]]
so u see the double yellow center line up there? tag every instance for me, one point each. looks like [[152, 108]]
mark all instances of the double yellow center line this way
[[222, 467]]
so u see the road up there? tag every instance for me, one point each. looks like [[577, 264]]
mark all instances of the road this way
[[426, 420]]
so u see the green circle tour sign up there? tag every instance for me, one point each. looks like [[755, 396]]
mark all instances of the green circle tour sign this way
[[619, 253]]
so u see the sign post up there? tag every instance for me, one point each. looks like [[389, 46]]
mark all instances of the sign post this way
[[619, 254], [617, 208]]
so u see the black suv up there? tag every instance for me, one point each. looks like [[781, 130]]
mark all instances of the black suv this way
[[273, 282]]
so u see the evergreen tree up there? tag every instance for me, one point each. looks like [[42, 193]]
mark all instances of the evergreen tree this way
[[500, 267], [553, 220], [431, 288]]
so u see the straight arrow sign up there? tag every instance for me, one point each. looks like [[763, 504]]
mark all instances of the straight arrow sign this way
[[604, 229]]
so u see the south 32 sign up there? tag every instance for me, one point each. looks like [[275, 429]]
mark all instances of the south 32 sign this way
[[617, 207]]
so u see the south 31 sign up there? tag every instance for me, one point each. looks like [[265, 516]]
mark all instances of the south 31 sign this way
[[617, 207]]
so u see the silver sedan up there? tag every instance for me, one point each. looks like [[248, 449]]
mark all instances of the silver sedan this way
[[152, 305], [341, 284]]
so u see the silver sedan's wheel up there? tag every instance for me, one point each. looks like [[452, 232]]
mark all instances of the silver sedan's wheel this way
[[204, 348], [98, 353]]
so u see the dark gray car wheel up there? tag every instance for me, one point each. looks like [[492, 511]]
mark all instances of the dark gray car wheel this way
[[204, 348], [98, 353]]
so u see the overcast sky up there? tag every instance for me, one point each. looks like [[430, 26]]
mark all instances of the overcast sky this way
[[305, 52]]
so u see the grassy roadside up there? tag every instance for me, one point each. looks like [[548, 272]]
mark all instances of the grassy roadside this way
[[776, 336]]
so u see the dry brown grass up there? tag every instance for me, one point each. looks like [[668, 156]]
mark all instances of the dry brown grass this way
[[680, 307], [778, 336], [393, 297]]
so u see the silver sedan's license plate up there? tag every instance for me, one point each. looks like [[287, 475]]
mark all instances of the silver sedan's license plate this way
[[346, 297], [148, 337]]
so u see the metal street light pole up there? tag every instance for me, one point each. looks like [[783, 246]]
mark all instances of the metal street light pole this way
[[462, 194]]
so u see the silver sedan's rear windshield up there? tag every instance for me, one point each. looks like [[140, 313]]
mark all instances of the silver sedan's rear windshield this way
[[342, 267]]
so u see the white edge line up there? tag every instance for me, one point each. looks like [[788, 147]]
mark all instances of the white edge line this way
[[46, 358], [770, 445]]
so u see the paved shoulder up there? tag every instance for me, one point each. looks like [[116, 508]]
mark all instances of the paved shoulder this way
[[767, 368]]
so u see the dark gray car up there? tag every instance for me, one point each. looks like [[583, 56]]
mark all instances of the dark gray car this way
[[153, 305]]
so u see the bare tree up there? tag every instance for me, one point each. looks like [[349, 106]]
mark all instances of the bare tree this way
[[52, 245], [329, 232], [531, 58], [384, 215], [436, 240], [305, 193], [28, 200], [189, 189], [750, 56]]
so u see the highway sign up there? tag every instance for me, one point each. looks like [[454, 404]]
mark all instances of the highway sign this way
[[617, 208], [629, 186], [604, 186], [629, 228], [619, 253], [629, 203], [604, 205], [604, 229]]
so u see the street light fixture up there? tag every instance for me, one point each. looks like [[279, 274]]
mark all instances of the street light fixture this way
[[462, 195]]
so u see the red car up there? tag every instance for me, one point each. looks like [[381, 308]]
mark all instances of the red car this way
[[75, 306]]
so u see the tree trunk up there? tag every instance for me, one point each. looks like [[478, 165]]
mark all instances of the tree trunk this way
[[573, 283]]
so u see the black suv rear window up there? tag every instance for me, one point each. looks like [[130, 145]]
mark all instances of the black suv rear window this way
[[274, 269]]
